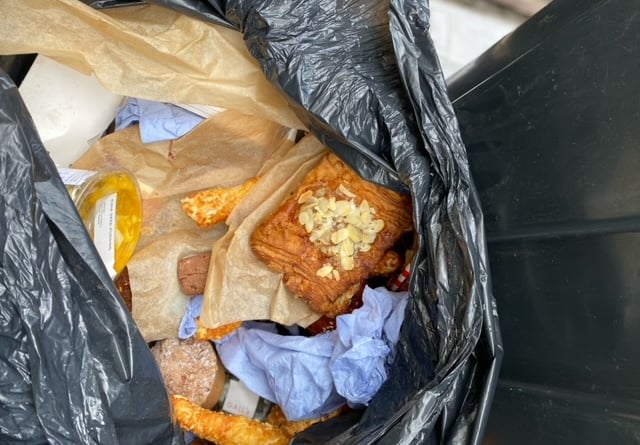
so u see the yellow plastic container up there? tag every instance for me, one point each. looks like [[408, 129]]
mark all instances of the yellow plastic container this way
[[110, 206]]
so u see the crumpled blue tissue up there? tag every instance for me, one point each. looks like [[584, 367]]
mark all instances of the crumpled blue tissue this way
[[157, 121], [309, 377], [188, 325]]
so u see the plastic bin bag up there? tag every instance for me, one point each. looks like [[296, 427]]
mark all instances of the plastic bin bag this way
[[74, 367], [364, 77]]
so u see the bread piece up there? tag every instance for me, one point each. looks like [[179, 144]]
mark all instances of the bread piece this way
[[124, 287], [223, 428], [213, 206], [390, 263], [192, 273], [277, 418], [328, 237], [229, 429], [190, 368]]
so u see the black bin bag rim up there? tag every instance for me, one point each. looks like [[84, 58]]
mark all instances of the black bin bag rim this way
[[75, 368], [365, 79]]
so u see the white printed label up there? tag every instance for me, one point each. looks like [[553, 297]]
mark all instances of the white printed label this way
[[104, 230], [240, 400], [74, 176]]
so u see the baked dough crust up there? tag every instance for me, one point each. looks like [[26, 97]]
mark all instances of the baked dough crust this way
[[283, 243], [213, 206]]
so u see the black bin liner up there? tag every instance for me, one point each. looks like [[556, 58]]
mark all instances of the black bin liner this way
[[365, 79], [74, 368]]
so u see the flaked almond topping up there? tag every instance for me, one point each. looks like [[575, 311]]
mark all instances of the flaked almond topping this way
[[339, 236], [325, 271], [347, 248], [305, 197], [347, 263], [378, 225], [355, 234], [309, 222], [342, 208], [303, 218], [368, 237], [318, 235], [332, 204], [340, 227], [323, 205], [345, 191]]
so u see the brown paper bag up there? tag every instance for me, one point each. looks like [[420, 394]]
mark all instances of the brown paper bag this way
[[148, 52], [224, 150], [240, 286], [157, 54]]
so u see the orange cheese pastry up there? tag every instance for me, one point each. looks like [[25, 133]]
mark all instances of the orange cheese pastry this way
[[214, 334], [225, 429], [213, 206]]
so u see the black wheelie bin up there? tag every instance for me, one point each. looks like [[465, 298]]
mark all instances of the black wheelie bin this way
[[549, 116]]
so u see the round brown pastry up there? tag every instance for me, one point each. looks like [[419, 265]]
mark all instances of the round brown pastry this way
[[191, 368]]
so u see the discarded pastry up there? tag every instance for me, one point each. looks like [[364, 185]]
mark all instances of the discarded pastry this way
[[330, 235], [190, 368], [292, 427], [123, 285], [215, 334], [229, 429], [192, 273], [213, 206], [390, 263], [223, 428]]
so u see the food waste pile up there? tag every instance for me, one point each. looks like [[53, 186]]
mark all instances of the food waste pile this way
[[310, 259]]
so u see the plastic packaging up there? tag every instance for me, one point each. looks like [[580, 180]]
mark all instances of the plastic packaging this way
[[74, 366], [110, 206], [236, 398]]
